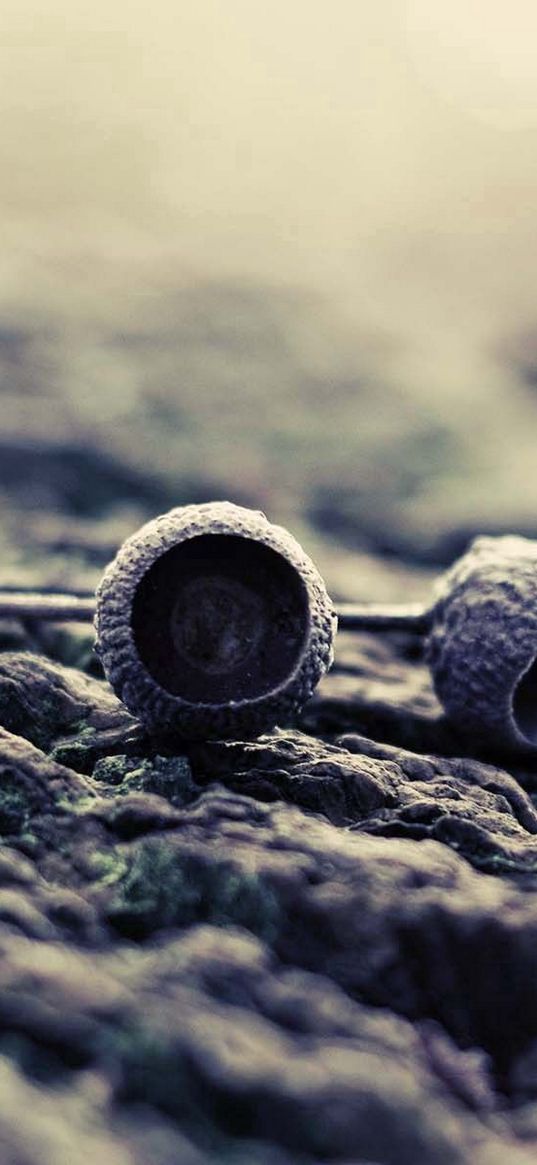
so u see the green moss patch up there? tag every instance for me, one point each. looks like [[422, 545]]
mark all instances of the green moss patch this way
[[164, 887], [169, 777]]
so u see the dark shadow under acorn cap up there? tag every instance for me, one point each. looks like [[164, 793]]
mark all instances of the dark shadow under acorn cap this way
[[482, 649], [212, 622]]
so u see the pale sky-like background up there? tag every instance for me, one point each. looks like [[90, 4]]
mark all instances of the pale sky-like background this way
[[379, 155], [386, 151]]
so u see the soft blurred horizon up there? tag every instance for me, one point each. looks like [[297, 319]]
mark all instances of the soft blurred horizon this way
[[281, 251]]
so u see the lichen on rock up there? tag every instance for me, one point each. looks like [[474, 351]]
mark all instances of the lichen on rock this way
[[320, 944]]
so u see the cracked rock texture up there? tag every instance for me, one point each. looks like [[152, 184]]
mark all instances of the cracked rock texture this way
[[318, 946]]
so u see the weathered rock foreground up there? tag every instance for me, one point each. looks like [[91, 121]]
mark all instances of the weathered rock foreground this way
[[317, 946]]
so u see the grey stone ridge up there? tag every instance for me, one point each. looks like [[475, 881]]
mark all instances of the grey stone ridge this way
[[319, 945]]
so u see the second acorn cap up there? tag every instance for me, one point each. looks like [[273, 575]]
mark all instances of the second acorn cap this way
[[482, 648]]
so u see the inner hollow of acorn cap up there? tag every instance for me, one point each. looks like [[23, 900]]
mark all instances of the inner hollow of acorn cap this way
[[525, 704], [220, 618]]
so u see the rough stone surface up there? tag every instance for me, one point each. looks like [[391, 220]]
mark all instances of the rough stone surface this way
[[317, 946]]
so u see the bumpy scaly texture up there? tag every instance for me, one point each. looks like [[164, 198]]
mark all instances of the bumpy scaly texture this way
[[484, 638], [261, 953], [130, 678], [299, 949]]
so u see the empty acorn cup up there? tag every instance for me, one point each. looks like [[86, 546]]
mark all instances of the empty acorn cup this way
[[211, 622]]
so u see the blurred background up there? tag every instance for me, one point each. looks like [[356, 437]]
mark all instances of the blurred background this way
[[283, 253]]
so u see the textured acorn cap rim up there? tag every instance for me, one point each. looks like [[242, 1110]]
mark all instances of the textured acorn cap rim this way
[[154, 539], [525, 741]]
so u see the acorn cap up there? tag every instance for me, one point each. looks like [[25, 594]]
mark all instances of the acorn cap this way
[[482, 649], [213, 623]]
